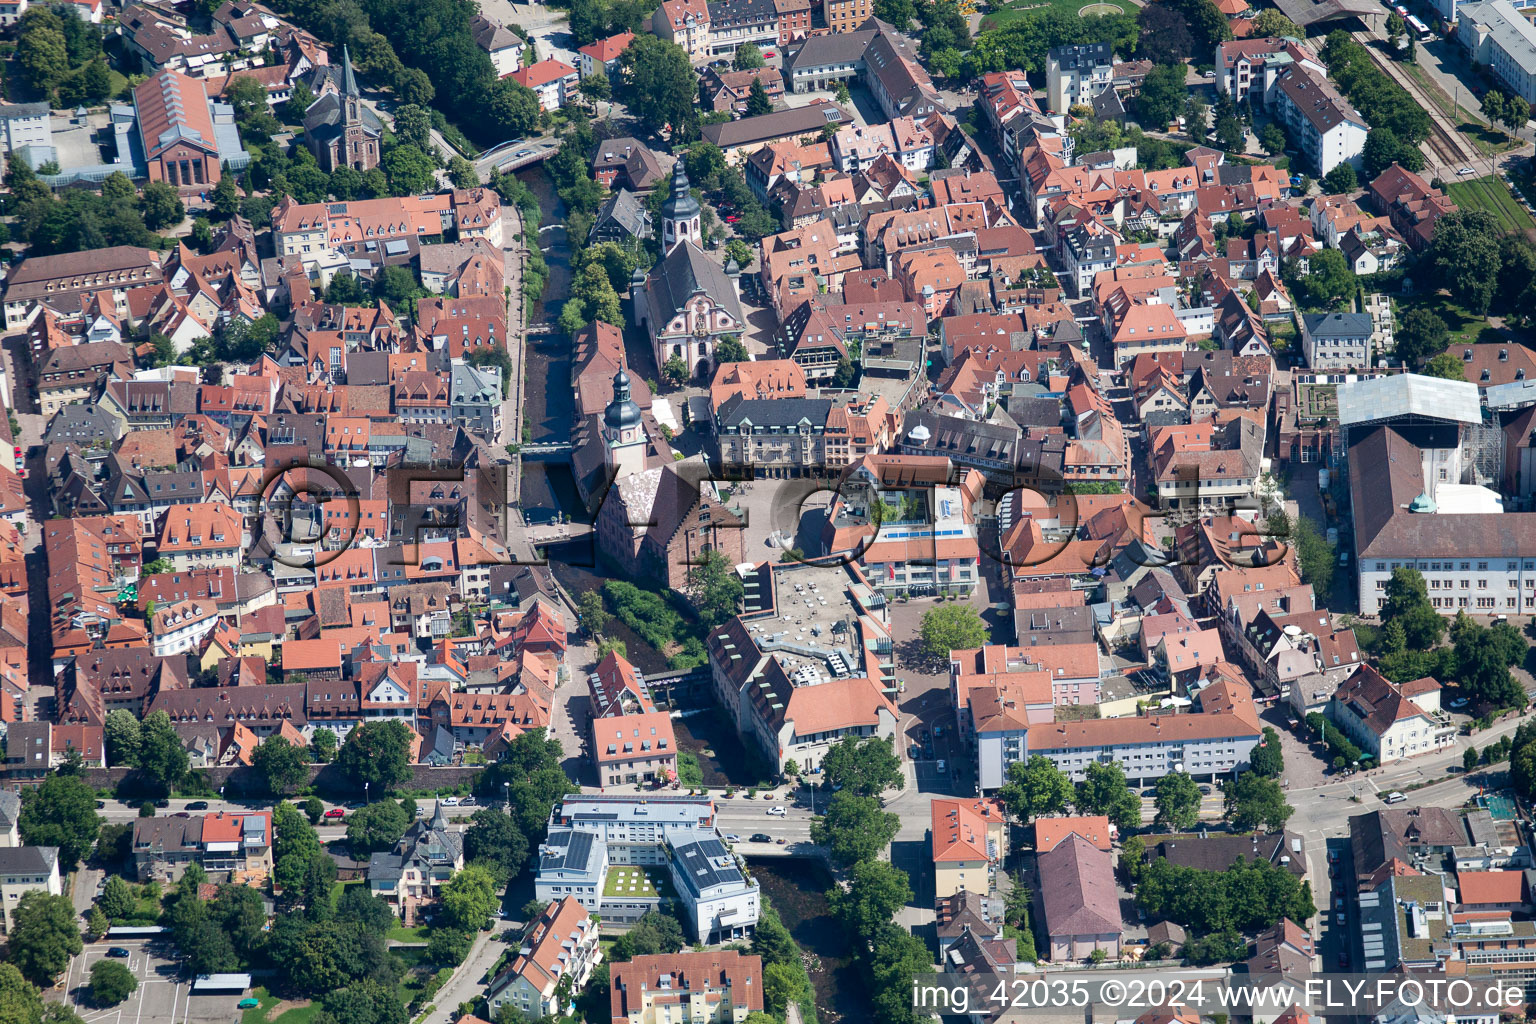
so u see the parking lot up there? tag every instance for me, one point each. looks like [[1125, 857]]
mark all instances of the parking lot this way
[[163, 996]]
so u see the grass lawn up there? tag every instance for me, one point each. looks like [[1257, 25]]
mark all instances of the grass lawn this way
[[1002, 13], [295, 1015], [258, 1015], [400, 933], [1493, 195], [298, 1015], [1465, 328]]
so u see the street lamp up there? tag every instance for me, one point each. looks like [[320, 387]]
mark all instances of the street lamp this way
[[365, 794], [506, 794]]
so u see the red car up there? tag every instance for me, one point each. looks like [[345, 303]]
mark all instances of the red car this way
[[335, 812], [731, 218]]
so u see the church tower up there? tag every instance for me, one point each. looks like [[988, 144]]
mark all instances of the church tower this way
[[680, 214], [623, 431]]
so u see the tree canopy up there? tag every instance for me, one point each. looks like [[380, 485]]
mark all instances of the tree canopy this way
[[1034, 788], [62, 813], [854, 828], [1178, 801], [867, 766], [376, 754]]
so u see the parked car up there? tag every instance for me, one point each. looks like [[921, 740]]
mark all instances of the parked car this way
[[468, 801], [198, 805], [761, 837], [450, 801], [733, 838], [777, 812], [335, 812], [119, 952], [941, 764]]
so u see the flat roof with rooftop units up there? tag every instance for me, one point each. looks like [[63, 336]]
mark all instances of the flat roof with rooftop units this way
[[808, 615]]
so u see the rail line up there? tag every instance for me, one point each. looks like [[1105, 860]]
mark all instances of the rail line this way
[[1447, 146]]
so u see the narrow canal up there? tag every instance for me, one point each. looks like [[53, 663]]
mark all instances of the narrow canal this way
[[548, 487], [797, 888]]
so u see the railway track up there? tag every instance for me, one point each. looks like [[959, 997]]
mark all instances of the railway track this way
[[1445, 146]]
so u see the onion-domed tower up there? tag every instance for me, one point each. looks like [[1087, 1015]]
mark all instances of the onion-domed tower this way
[[680, 214], [623, 431]]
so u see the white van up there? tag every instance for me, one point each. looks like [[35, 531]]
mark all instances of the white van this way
[[1394, 797]]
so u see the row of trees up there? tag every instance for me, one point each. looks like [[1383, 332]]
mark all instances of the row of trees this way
[[60, 57], [1479, 657], [1383, 102], [856, 831], [1248, 896], [79, 219]]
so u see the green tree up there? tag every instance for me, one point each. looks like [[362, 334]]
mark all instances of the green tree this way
[[1396, 27], [1407, 603], [1035, 788], [1444, 365], [1163, 95], [162, 758], [1270, 22], [111, 983], [876, 890], [1315, 557], [1104, 791], [283, 765], [376, 755], [322, 746], [951, 627], [413, 126], [44, 935], [675, 371], [462, 173], [1253, 801], [364, 1001], [1340, 180], [1517, 111], [594, 616], [118, 187], [1482, 657], [62, 813], [758, 102], [314, 810], [378, 826], [1272, 138], [896, 957], [494, 838], [659, 86], [783, 983], [469, 898], [854, 828], [1177, 801], [121, 729], [1469, 759], [748, 58], [1420, 335], [161, 205], [117, 900], [96, 923], [595, 88], [1267, 759], [409, 170], [655, 933], [512, 109], [448, 947], [43, 57], [715, 589], [1465, 257], [867, 766]]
